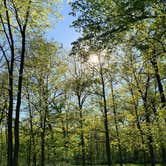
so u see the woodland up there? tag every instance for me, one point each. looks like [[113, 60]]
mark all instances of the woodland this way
[[101, 103]]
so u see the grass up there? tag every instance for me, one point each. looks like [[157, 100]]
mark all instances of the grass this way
[[64, 164]]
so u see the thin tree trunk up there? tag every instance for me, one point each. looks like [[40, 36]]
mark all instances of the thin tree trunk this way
[[116, 124], [149, 135], [107, 139], [147, 116], [97, 157], [90, 150], [139, 126], [29, 151], [43, 140], [163, 151], [83, 148], [82, 137], [34, 152], [43, 148], [31, 132], [151, 149], [80, 104], [1, 143], [65, 136], [144, 96], [34, 159]]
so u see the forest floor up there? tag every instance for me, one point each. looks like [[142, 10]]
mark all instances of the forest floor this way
[[106, 165]]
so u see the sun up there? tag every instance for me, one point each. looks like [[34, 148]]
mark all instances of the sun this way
[[93, 59]]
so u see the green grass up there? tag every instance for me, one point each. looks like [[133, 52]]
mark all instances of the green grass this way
[[136, 165], [129, 165], [64, 164]]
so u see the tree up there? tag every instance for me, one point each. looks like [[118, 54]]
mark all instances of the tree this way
[[17, 20], [79, 84], [135, 23], [141, 18], [43, 84], [104, 107]]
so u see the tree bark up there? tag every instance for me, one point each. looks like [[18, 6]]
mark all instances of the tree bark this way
[[147, 116], [116, 125], [9, 36], [31, 131], [82, 132], [139, 125], [158, 78], [19, 92], [107, 139], [43, 142], [43, 127], [9, 120]]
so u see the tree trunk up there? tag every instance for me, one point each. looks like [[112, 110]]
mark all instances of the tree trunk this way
[[97, 157], [144, 96], [82, 137], [9, 36], [158, 78], [10, 114], [19, 92], [31, 132], [80, 104], [139, 126], [160, 131], [116, 124], [142, 136], [107, 140], [65, 136], [34, 159], [90, 149], [43, 140], [149, 134], [151, 149]]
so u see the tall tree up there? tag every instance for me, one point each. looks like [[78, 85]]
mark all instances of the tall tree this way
[[17, 19]]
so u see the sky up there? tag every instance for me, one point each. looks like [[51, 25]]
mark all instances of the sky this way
[[62, 32]]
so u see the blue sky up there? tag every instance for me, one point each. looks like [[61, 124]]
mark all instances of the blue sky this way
[[62, 32]]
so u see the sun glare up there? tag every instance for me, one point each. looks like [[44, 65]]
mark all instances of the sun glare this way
[[93, 59]]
